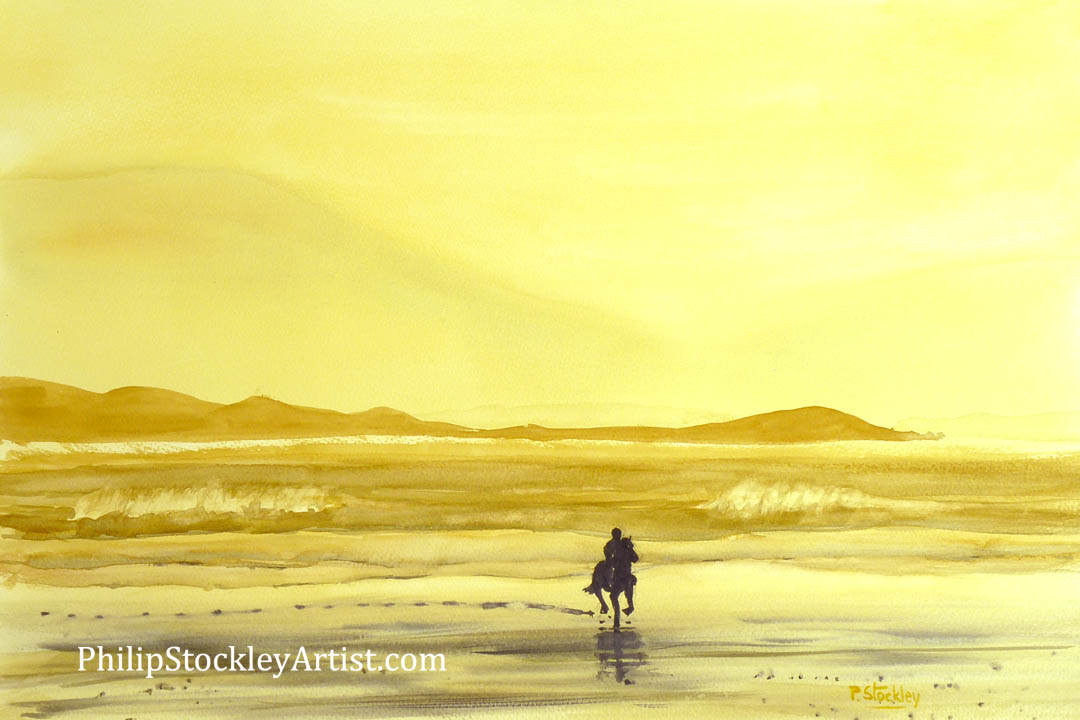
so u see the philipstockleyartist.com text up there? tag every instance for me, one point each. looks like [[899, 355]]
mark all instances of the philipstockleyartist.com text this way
[[128, 658]]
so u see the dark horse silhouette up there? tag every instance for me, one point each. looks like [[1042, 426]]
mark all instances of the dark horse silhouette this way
[[615, 578]]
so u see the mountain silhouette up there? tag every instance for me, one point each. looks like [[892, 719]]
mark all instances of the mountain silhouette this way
[[36, 410], [801, 425]]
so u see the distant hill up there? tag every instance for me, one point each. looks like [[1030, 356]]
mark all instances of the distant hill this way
[[1060, 426], [802, 425], [37, 410]]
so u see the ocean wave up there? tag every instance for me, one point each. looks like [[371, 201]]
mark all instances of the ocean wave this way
[[212, 499], [754, 500], [13, 451]]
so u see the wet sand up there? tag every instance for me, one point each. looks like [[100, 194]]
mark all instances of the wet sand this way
[[736, 639]]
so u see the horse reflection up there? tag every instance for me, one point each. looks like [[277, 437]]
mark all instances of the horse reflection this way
[[620, 653]]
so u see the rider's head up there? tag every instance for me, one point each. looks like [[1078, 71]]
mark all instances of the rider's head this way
[[616, 533]]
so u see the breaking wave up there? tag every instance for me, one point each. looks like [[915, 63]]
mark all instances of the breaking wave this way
[[754, 500], [214, 500], [12, 451]]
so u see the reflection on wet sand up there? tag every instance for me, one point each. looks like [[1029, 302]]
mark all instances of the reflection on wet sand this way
[[620, 653]]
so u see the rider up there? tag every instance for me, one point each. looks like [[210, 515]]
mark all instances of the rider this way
[[613, 551], [619, 556]]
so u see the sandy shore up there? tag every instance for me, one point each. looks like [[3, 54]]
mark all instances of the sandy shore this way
[[724, 639]]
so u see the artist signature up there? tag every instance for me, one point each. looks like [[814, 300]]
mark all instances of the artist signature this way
[[885, 697]]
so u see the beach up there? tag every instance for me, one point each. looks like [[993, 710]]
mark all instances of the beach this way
[[868, 580]]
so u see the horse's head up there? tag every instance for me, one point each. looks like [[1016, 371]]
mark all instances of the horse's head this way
[[628, 541]]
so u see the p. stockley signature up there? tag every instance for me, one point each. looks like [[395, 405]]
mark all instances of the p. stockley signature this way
[[884, 697]]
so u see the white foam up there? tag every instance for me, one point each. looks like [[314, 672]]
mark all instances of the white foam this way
[[858, 448], [213, 499], [11, 451], [753, 500]]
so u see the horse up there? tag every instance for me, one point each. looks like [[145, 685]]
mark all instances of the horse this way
[[615, 581]]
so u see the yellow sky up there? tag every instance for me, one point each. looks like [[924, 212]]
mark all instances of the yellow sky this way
[[738, 206]]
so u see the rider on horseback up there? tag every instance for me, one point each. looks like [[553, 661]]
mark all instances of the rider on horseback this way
[[614, 575]]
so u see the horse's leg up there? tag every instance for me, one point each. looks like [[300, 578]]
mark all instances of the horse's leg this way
[[629, 591], [599, 582], [615, 605], [603, 605]]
